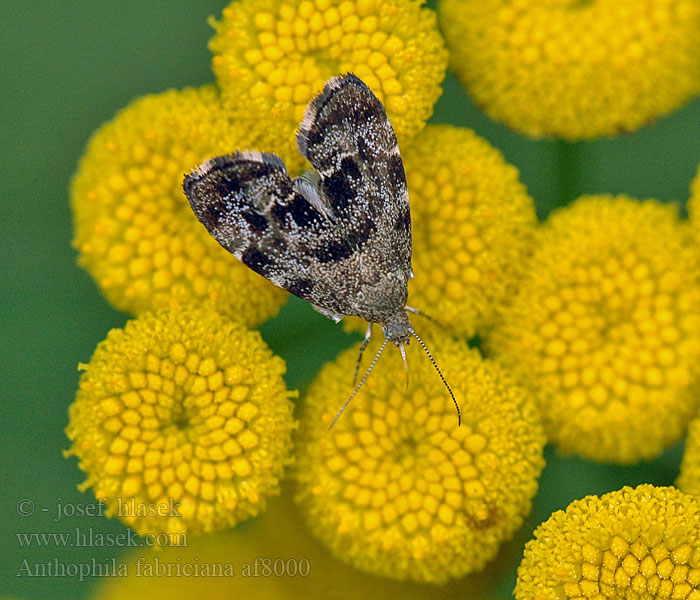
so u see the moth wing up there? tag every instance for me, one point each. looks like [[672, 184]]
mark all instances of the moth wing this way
[[272, 224], [340, 238], [347, 137]]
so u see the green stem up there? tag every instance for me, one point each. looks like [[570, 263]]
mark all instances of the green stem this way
[[568, 171]]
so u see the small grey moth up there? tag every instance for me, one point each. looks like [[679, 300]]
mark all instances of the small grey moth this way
[[338, 236]]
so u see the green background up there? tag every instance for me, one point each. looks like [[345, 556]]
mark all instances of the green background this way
[[66, 67]]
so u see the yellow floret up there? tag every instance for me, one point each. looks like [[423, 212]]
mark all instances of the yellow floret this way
[[271, 57], [396, 488], [472, 222], [164, 427], [575, 69], [134, 229], [605, 329], [636, 544]]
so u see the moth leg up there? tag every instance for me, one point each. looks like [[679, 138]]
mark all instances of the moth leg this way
[[405, 363], [337, 317], [363, 345]]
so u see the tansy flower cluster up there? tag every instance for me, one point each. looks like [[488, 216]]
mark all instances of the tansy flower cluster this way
[[574, 69], [396, 488], [590, 321], [172, 409], [636, 544], [605, 328], [186, 412]]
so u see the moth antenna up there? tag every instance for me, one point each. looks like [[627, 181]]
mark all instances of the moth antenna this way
[[432, 360], [419, 312], [362, 381], [363, 345], [405, 363]]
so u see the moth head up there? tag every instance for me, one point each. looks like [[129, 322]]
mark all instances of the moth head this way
[[397, 328], [401, 329]]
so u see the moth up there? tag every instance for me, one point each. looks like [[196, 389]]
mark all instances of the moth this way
[[339, 235]]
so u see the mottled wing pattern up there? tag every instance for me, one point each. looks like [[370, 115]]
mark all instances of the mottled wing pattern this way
[[348, 139], [249, 204], [339, 238]]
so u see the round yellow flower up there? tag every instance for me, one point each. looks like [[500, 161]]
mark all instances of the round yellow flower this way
[[274, 557], [396, 488], [605, 328], [134, 229], [271, 57], [694, 206], [184, 409], [632, 544], [472, 222], [575, 69]]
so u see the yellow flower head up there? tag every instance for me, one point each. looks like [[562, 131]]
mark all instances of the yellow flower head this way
[[134, 229], [694, 206], [396, 488], [472, 222], [635, 544], [271, 57], [605, 328], [184, 408], [575, 69]]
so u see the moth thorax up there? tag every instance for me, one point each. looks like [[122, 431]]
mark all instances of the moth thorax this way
[[397, 328]]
